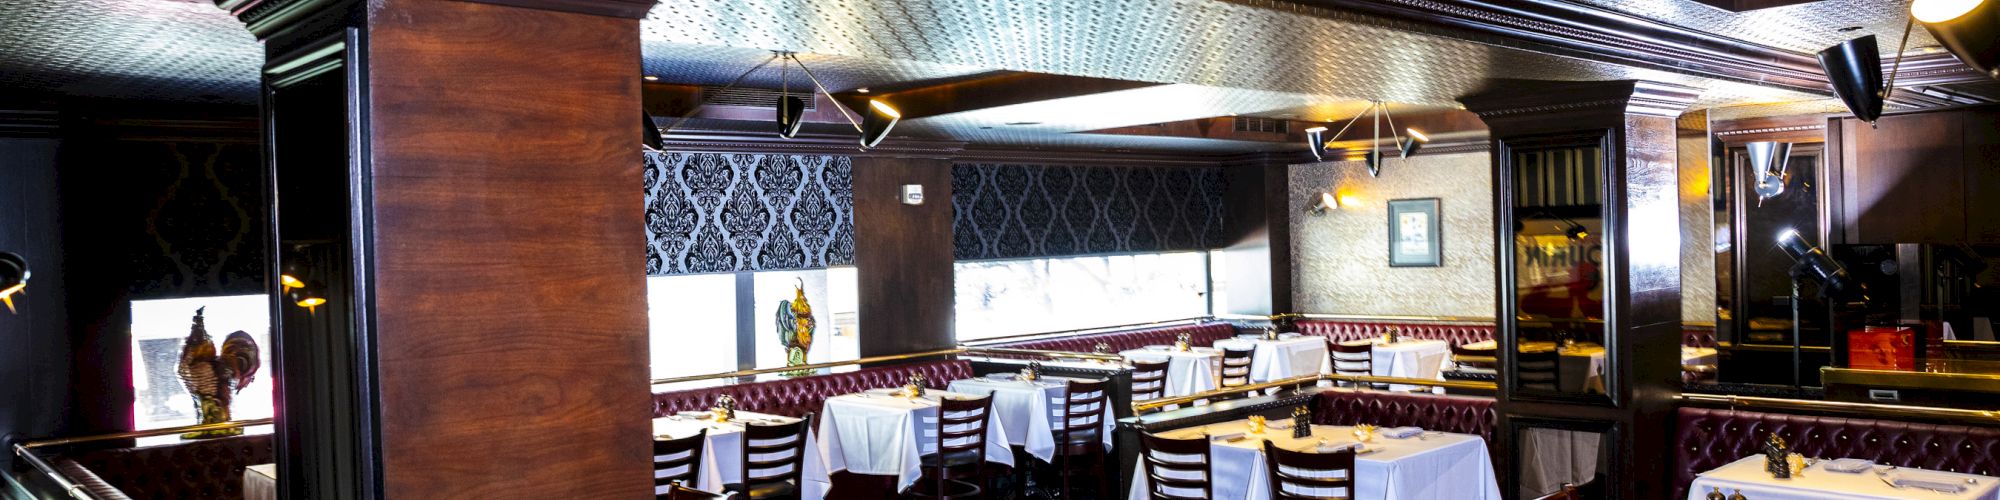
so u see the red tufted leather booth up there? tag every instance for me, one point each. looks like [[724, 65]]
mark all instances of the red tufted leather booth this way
[[799, 396], [1345, 330], [1710, 438], [210, 468], [1460, 414], [1203, 334]]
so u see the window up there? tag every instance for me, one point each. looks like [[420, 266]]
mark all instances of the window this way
[[1012, 297], [699, 322], [160, 327]]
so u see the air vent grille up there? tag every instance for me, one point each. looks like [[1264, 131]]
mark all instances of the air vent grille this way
[[1254, 124], [752, 97]]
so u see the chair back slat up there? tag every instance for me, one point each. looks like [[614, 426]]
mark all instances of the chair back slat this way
[[962, 423], [1538, 368], [1293, 473], [683, 454], [1236, 367], [783, 447], [1176, 464], [1080, 428], [1353, 358], [1149, 380]]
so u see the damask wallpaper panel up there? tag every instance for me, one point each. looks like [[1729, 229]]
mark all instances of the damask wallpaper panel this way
[[1340, 260], [204, 215], [729, 212], [1009, 211]]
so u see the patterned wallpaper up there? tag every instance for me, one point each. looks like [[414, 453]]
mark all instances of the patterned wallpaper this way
[[1004, 211], [1341, 259], [722, 212], [202, 206]]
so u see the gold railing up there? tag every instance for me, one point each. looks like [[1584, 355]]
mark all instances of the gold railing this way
[[1386, 318], [1986, 417], [26, 450], [1036, 352], [1153, 404], [1094, 329], [894, 357]]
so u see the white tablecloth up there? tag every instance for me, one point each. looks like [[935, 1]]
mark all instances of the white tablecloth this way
[[260, 482], [1190, 372], [1439, 466], [1406, 359], [722, 454], [1017, 403], [874, 433], [1281, 359], [1747, 474], [1698, 356]]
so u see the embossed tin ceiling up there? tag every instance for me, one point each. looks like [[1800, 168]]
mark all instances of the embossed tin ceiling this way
[[1806, 27], [133, 49]]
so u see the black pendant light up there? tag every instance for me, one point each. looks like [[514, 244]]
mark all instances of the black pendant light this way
[[791, 109], [1316, 141], [1970, 29], [1768, 160], [13, 277], [1372, 158], [1854, 68], [879, 118], [876, 125]]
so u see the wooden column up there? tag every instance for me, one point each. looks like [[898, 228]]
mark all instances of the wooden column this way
[[903, 255], [1258, 260], [465, 176], [1634, 124]]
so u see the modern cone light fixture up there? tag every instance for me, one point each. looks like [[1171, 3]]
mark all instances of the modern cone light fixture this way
[[310, 296], [13, 277], [876, 125], [791, 116], [653, 140], [1316, 141], [1416, 140], [1854, 67], [1970, 29], [1768, 160]]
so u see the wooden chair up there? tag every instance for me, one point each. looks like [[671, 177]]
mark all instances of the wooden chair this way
[[1080, 435], [1236, 367], [1169, 463], [1473, 363], [961, 449], [1294, 471], [678, 492], [1149, 380], [671, 454], [1355, 357], [777, 477], [1538, 369]]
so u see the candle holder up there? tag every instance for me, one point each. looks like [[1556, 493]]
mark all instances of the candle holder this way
[[915, 388], [1364, 433], [1183, 342], [725, 408], [1257, 424]]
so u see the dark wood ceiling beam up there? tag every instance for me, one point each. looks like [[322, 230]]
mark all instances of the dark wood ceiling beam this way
[[1003, 89], [1432, 123]]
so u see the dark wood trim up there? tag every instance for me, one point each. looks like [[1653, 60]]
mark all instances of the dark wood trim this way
[[903, 255], [628, 9], [1793, 129]]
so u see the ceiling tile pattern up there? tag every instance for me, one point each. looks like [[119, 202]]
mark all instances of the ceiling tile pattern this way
[[720, 64], [1807, 27], [155, 49]]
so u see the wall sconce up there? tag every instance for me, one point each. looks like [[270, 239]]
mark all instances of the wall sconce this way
[[1327, 202], [13, 277]]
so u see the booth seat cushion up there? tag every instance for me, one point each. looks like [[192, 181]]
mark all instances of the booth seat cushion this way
[[799, 396], [1203, 334], [211, 468], [1343, 331], [1460, 414], [1710, 438]]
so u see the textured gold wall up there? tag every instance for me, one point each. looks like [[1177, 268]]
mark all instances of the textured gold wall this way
[[1697, 220], [1341, 258]]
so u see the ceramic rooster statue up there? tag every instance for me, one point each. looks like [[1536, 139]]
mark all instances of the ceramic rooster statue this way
[[795, 327], [214, 378]]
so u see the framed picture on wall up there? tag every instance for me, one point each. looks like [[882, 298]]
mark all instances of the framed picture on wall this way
[[1415, 239]]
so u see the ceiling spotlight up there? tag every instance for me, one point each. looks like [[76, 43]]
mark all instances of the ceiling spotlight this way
[[651, 78], [862, 90], [1854, 67], [1811, 263], [1316, 141], [881, 118], [291, 268], [309, 296], [1327, 203], [1970, 29], [13, 277], [1768, 159], [1416, 140]]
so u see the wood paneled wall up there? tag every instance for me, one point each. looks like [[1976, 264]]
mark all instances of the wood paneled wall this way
[[1931, 177], [903, 255]]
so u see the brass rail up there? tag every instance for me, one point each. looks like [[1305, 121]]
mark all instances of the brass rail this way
[[1094, 329], [1035, 352], [809, 366], [1369, 317], [70, 487], [1986, 417], [234, 424], [1152, 404]]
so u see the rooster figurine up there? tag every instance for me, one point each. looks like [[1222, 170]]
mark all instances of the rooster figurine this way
[[215, 378], [795, 328]]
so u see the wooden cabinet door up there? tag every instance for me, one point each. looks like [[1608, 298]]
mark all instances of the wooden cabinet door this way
[[1910, 181]]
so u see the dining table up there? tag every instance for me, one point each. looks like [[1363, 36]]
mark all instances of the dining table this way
[[1288, 356], [1747, 476], [1409, 358], [1192, 371], [260, 482], [1425, 465], [887, 432], [722, 451], [1028, 411]]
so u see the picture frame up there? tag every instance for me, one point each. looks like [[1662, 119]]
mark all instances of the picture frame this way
[[1415, 233]]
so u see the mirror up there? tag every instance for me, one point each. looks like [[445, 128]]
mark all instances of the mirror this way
[[1556, 192], [1754, 312]]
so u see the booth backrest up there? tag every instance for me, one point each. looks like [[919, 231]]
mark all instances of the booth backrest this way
[[799, 396], [1460, 414], [210, 468], [1346, 330], [1711, 438], [1202, 334]]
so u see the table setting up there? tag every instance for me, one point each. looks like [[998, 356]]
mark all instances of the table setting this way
[[887, 431], [1838, 478], [1018, 401], [722, 454], [1279, 356], [1409, 358], [1190, 369], [1390, 463]]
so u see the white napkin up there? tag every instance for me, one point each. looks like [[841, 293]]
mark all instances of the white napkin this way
[[1848, 465], [1001, 376], [1226, 437], [1359, 449], [1928, 480], [1401, 432]]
